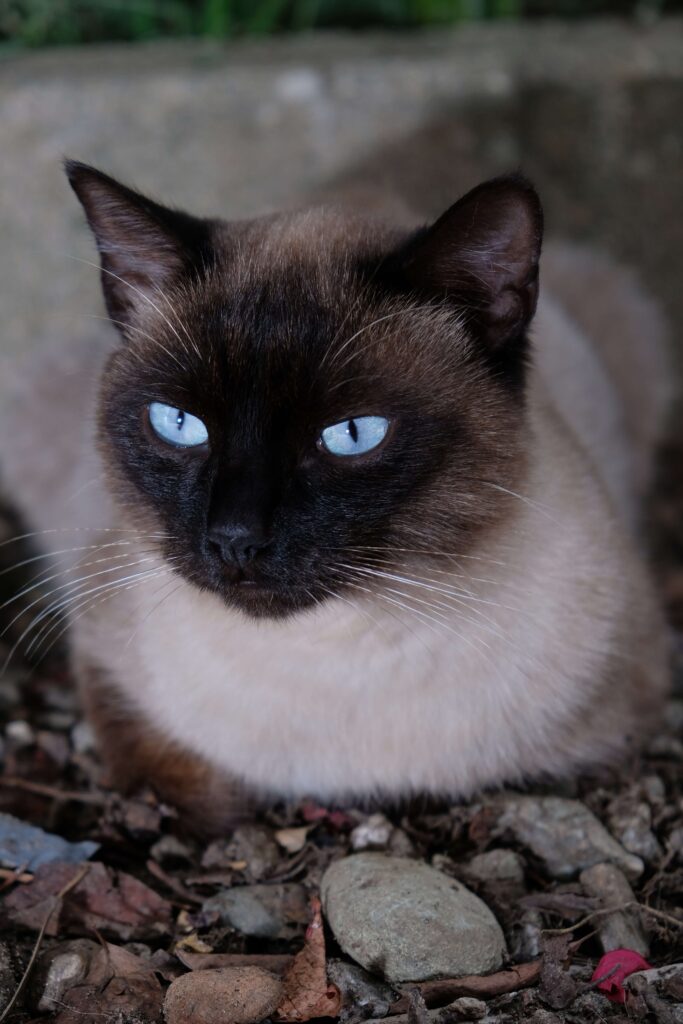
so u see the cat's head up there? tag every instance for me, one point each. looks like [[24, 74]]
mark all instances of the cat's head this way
[[304, 400]]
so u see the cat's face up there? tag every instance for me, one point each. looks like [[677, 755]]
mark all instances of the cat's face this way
[[302, 401]]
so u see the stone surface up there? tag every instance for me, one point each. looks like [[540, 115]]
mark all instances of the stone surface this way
[[262, 911], [359, 989], [630, 821], [66, 970], [372, 834], [252, 844], [29, 847], [408, 922], [229, 995], [497, 866], [563, 834], [623, 928]]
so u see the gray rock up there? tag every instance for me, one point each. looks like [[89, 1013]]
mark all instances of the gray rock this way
[[253, 844], [362, 994], [497, 866], [372, 834], [20, 734], [630, 821], [24, 845], [622, 929], [564, 835], [464, 1008], [65, 970], [262, 911], [408, 922]]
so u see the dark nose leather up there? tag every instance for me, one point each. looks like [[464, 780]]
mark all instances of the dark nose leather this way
[[237, 545]]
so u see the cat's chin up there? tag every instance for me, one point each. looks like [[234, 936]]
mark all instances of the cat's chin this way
[[259, 601]]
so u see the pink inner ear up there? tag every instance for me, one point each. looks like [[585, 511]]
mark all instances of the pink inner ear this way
[[483, 252]]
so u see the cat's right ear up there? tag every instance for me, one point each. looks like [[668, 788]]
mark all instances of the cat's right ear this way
[[143, 247]]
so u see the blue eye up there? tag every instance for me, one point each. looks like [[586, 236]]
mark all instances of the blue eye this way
[[177, 427], [356, 436]]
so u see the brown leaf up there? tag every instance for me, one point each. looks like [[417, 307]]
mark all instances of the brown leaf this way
[[307, 992], [119, 986], [108, 901]]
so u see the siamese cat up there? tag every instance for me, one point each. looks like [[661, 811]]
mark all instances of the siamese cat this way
[[357, 518]]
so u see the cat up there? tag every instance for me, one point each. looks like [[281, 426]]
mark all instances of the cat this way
[[364, 524]]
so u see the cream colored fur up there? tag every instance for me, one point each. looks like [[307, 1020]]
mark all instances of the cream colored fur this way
[[558, 660]]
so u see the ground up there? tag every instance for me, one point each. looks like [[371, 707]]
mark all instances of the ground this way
[[105, 932]]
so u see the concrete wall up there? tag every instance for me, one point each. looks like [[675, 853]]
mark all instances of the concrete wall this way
[[591, 111]]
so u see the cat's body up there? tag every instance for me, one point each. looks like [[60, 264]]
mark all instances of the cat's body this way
[[534, 646]]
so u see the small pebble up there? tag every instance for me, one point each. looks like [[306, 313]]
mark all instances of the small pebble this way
[[227, 995], [262, 911], [496, 866], [19, 734], [464, 1008], [65, 971], [170, 848], [563, 834], [83, 738], [360, 989], [630, 821], [623, 928], [252, 844], [372, 834]]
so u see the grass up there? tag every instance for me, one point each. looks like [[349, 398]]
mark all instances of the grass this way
[[31, 23]]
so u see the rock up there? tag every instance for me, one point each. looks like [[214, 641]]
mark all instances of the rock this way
[[170, 849], [622, 929], [262, 911], [528, 936], [667, 980], [408, 922], [630, 821], [464, 1008], [68, 968], [372, 834], [496, 866], [19, 734], [24, 845], [564, 835], [228, 995], [252, 844], [362, 994], [83, 738]]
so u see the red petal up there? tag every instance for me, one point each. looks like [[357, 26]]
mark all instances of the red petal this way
[[614, 968]]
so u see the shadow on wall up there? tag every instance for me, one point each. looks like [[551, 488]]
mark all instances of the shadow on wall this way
[[609, 169]]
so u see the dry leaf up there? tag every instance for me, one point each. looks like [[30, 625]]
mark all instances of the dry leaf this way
[[307, 992], [110, 902], [293, 840], [119, 985]]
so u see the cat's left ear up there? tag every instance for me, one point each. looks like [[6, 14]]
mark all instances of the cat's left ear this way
[[144, 247], [483, 254]]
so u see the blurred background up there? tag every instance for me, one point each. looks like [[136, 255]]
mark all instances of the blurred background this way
[[238, 107]]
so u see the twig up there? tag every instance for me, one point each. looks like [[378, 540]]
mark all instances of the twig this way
[[630, 905], [54, 903], [440, 993], [172, 883], [42, 789]]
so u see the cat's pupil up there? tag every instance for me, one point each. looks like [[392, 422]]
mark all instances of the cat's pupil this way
[[353, 431], [180, 419]]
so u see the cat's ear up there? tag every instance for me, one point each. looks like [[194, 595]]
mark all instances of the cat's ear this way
[[144, 247], [483, 254]]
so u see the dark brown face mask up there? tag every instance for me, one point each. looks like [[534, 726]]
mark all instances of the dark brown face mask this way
[[299, 395]]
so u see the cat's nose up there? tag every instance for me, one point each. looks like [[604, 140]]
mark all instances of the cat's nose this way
[[237, 545]]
